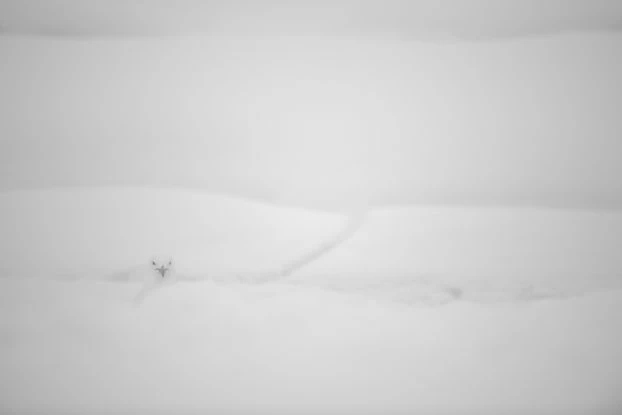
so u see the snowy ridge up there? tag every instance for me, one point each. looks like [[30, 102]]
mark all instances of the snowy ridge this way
[[408, 255], [354, 223], [114, 232]]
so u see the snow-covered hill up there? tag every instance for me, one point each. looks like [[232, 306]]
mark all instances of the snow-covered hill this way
[[97, 232], [525, 251], [335, 336], [406, 253]]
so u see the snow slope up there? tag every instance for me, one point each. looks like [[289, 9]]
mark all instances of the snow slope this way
[[458, 253], [481, 251], [98, 232], [347, 333], [276, 348]]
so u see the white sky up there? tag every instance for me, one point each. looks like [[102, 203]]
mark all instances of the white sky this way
[[407, 17], [345, 113], [318, 118]]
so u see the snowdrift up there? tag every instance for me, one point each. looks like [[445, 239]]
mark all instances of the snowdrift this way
[[111, 232], [478, 253], [408, 254]]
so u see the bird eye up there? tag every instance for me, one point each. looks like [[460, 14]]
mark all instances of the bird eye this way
[[153, 262]]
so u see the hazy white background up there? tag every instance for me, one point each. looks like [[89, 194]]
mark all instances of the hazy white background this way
[[456, 163], [373, 111]]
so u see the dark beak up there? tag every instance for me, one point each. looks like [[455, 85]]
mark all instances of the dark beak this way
[[162, 271]]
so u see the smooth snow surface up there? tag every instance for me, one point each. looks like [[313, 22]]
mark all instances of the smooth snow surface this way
[[81, 346], [426, 310]]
